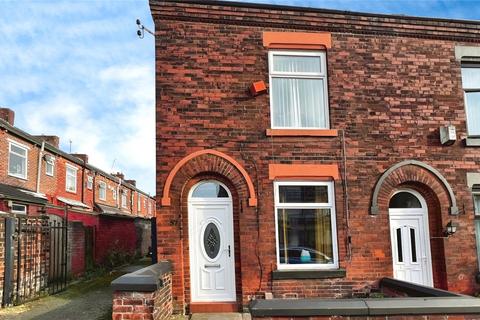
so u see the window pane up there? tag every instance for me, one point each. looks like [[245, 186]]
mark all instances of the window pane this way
[[18, 150], [476, 203], [303, 194], [477, 234], [399, 245], [413, 245], [16, 165], [471, 78], [296, 64], [210, 190], [305, 236], [473, 112], [404, 200], [298, 103], [49, 168]]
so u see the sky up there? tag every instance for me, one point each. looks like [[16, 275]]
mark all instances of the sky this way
[[77, 69]]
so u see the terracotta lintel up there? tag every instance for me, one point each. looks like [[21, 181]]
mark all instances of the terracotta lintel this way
[[297, 40], [302, 171]]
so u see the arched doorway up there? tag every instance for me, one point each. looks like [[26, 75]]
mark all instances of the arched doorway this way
[[211, 243], [409, 233]]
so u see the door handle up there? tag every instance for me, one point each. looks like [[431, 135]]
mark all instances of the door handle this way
[[212, 265], [229, 251]]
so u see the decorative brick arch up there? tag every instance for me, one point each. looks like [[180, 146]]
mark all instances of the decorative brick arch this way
[[209, 160], [407, 172]]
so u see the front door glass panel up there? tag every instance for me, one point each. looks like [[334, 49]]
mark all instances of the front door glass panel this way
[[211, 240]]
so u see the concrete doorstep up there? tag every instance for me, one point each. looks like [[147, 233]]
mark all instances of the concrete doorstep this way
[[220, 316]]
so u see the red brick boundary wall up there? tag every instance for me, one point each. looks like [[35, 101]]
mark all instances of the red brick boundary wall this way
[[147, 299]]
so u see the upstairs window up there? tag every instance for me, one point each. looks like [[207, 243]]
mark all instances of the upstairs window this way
[[89, 182], [298, 90], [471, 88], [124, 199], [102, 190], [17, 160], [71, 179], [114, 194], [139, 203], [49, 165]]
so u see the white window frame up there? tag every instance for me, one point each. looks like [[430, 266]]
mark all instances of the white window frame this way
[[123, 197], [475, 212], [50, 160], [469, 65], [139, 203], [330, 205], [89, 182], [304, 75], [75, 169], [21, 146], [24, 211], [102, 185]]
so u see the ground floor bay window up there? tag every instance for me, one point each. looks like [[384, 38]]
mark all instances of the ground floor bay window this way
[[305, 223]]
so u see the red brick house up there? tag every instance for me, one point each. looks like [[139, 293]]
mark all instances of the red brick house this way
[[334, 175], [37, 178]]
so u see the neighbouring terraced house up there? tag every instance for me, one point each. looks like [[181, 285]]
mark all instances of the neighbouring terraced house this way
[[308, 153], [106, 213]]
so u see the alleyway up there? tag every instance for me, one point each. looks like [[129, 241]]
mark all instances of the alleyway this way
[[88, 300]]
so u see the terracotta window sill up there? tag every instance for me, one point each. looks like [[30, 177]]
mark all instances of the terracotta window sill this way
[[302, 132]]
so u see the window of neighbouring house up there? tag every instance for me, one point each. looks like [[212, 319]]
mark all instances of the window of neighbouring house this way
[[49, 165], [139, 203], [306, 227], [71, 179], [114, 194], [476, 209], [124, 199], [471, 88], [17, 160], [298, 90], [149, 208], [102, 190], [89, 182], [19, 208]]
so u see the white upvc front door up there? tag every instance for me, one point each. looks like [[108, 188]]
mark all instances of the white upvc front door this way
[[212, 263], [411, 246]]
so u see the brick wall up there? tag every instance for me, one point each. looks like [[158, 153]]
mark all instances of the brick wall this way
[[76, 248], [389, 91], [114, 234], [155, 305]]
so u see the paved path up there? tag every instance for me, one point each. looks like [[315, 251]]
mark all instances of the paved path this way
[[89, 300]]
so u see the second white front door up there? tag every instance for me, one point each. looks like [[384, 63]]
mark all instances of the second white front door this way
[[411, 244], [212, 263]]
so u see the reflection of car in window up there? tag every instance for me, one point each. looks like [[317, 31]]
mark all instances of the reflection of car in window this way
[[298, 255]]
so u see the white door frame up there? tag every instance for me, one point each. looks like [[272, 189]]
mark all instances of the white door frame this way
[[193, 238], [422, 213]]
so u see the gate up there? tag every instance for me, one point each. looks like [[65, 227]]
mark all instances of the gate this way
[[35, 258]]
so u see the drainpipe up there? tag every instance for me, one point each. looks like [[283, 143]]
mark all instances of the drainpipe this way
[[39, 166], [83, 181], [94, 187]]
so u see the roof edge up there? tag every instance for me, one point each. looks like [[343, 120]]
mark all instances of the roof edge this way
[[319, 10]]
